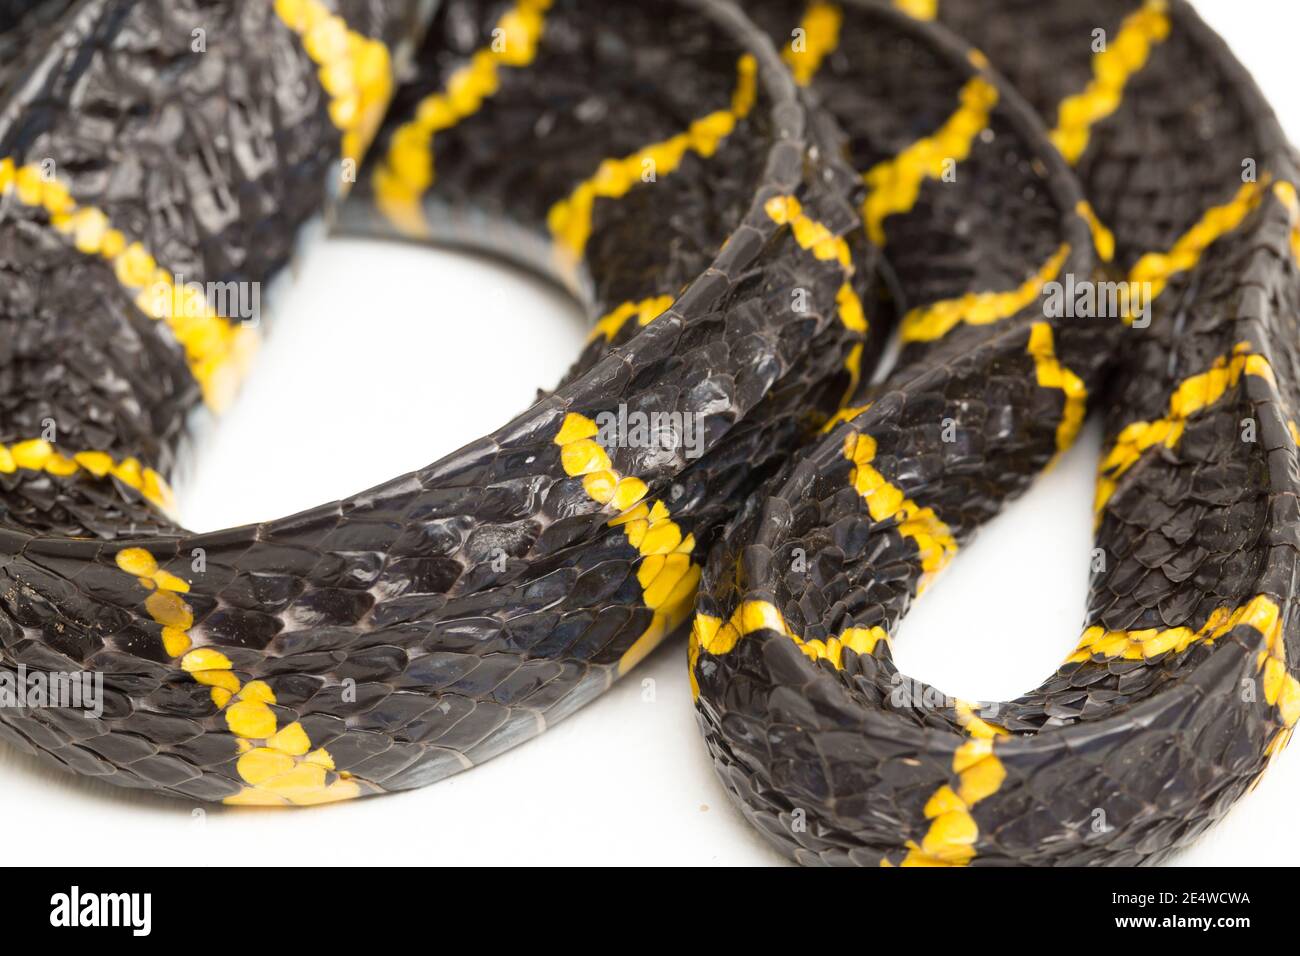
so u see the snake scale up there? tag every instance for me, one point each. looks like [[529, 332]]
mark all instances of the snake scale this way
[[823, 237]]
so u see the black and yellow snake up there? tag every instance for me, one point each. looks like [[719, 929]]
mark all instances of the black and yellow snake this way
[[751, 201]]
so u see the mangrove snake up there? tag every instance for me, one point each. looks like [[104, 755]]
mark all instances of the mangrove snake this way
[[751, 204]]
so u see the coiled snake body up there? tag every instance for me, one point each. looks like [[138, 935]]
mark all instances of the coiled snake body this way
[[750, 203]]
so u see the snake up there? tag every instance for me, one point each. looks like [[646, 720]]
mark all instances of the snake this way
[[856, 273]]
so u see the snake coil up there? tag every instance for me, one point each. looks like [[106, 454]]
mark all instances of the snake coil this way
[[1044, 206]]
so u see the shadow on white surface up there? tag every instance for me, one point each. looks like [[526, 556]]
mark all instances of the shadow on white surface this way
[[384, 358]]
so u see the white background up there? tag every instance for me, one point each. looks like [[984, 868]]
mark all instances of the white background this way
[[384, 358]]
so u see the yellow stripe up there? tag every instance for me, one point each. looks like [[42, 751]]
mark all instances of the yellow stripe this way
[[927, 323], [164, 603], [975, 725], [1193, 394], [935, 544], [953, 831], [644, 311], [809, 233], [895, 184], [919, 9], [216, 350], [845, 414], [37, 454], [1052, 374], [407, 172], [278, 764], [1158, 268], [355, 71], [814, 237], [1098, 643], [1281, 689], [852, 365], [666, 573], [1123, 56], [1286, 194], [821, 35], [712, 634], [570, 218], [950, 839], [1103, 240]]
